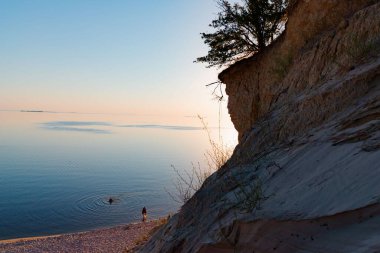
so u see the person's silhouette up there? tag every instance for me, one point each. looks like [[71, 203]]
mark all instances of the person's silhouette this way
[[144, 214]]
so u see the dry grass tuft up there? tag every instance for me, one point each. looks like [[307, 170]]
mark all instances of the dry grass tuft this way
[[188, 181], [143, 239]]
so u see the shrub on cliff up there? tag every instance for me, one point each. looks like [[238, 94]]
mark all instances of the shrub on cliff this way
[[242, 30], [189, 181]]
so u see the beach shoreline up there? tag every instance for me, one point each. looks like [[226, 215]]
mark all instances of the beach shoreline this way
[[30, 238], [120, 238]]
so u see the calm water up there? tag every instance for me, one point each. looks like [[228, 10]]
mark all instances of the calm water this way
[[58, 170]]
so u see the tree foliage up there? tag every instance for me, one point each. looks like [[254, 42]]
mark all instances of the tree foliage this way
[[242, 30]]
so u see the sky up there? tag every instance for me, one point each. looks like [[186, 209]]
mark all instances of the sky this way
[[114, 56]]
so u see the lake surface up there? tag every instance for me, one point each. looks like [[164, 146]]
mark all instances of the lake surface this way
[[58, 170]]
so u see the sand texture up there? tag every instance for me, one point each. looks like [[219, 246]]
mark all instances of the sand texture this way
[[115, 239]]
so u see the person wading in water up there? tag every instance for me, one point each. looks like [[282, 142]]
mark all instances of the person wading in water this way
[[144, 214]]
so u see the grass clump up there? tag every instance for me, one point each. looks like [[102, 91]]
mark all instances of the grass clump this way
[[188, 181], [249, 196], [144, 238], [219, 153]]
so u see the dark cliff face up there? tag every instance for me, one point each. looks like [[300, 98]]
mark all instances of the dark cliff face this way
[[304, 177]]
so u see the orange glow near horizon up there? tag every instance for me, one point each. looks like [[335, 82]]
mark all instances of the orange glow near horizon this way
[[54, 101]]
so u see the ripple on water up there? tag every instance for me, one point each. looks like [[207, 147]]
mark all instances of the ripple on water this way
[[98, 206], [88, 208]]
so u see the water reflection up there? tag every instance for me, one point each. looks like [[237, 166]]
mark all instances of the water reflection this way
[[82, 126], [77, 126], [61, 181], [76, 129], [167, 127], [77, 123]]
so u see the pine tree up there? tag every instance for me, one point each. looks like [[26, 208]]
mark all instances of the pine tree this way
[[242, 30]]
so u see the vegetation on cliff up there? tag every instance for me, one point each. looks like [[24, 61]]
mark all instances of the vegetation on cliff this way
[[304, 176], [242, 30], [188, 181]]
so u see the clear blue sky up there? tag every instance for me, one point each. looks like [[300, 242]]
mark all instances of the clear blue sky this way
[[116, 56]]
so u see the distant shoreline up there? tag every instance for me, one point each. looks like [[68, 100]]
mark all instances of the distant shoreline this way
[[31, 111]]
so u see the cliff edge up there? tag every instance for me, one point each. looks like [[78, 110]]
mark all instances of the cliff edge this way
[[305, 174]]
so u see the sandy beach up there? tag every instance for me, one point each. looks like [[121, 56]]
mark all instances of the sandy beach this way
[[121, 238]]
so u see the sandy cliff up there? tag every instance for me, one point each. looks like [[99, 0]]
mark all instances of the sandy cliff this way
[[305, 175]]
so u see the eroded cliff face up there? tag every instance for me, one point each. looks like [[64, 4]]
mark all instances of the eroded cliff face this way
[[305, 174], [321, 42]]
